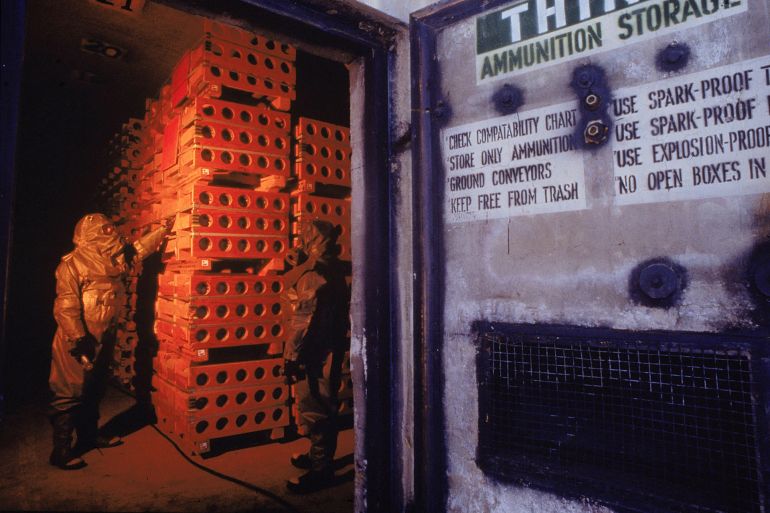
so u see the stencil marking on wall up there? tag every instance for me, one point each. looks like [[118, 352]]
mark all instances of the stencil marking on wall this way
[[702, 135], [521, 164], [531, 35]]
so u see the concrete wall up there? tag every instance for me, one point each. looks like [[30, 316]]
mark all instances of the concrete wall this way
[[570, 267], [400, 169], [573, 267]]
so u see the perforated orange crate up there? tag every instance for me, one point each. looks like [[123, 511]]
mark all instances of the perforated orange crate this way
[[178, 370], [203, 73], [201, 194], [306, 207], [320, 132], [248, 39], [194, 433], [199, 284], [258, 117], [219, 400], [194, 247], [234, 138], [222, 310], [233, 56], [197, 339], [311, 171], [229, 222], [323, 154], [219, 160]]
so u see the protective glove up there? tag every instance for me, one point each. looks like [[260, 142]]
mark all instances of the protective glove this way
[[84, 346], [293, 371]]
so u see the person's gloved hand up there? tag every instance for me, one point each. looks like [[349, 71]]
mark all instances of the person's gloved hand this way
[[295, 256], [293, 371], [84, 346]]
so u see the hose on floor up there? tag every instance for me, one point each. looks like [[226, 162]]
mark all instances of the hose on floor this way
[[226, 477], [254, 488]]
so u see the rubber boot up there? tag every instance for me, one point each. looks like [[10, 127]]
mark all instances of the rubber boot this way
[[62, 455], [319, 460], [312, 481], [301, 460]]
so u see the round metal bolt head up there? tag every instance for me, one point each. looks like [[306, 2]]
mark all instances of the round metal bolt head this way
[[596, 132], [592, 101], [658, 281], [585, 79]]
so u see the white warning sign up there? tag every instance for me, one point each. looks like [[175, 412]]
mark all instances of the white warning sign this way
[[701, 135], [522, 164]]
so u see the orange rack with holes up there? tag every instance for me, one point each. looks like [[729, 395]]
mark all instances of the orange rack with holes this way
[[222, 169], [249, 40], [309, 172], [223, 285], [198, 339], [179, 370], [208, 401], [202, 72], [307, 207], [222, 310], [201, 194], [313, 130], [195, 159], [200, 248], [228, 222], [242, 59], [323, 153], [234, 138], [258, 117], [195, 432]]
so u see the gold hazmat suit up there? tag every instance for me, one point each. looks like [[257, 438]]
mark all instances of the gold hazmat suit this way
[[90, 298], [319, 300], [90, 293]]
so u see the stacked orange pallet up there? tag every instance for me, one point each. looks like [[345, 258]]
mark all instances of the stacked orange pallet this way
[[225, 155], [215, 152]]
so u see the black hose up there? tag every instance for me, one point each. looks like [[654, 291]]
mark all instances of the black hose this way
[[220, 475], [231, 479]]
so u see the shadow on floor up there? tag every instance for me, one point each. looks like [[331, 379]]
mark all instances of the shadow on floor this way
[[129, 421], [147, 473]]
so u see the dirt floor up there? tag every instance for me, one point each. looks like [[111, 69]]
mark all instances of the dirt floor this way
[[147, 473]]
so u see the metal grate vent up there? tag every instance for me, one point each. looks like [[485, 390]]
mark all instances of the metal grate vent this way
[[641, 422]]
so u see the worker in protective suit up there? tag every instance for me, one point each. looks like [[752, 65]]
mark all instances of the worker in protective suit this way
[[317, 338], [90, 296]]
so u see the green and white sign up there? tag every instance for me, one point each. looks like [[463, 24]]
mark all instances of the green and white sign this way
[[538, 33]]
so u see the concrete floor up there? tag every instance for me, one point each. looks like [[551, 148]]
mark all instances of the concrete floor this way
[[147, 473]]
